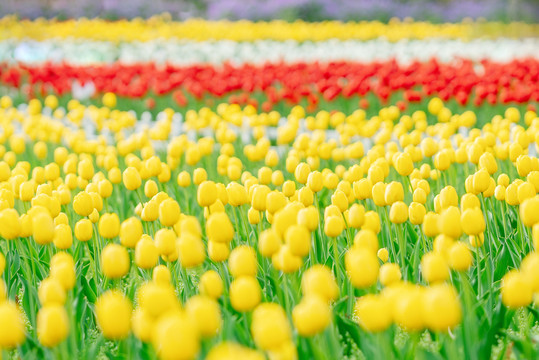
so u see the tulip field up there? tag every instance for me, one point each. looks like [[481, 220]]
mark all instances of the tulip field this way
[[268, 190]]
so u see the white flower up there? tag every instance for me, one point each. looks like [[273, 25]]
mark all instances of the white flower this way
[[179, 52]]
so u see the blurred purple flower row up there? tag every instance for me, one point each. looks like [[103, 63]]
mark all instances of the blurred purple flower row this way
[[441, 10], [433, 10]]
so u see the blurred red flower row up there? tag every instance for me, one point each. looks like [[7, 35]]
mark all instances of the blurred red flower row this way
[[512, 82]]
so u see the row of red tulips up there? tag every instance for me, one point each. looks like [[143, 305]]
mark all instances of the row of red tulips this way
[[464, 81]]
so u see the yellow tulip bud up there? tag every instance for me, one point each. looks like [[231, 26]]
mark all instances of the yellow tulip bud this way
[[302, 172], [442, 160], [434, 267], [245, 293], [131, 178], [199, 176], [150, 188], [481, 180], [334, 225], [43, 228], [169, 212], [205, 313], [207, 193], [260, 195], [277, 178], [529, 268], [10, 224], [275, 201], [315, 181], [398, 212], [487, 161], [477, 241], [373, 313], [419, 196], [270, 327], [306, 196], [82, 204], [211, 284], [237, 195], [130, 232], [113, 312], [143, 324], [64, 272], [460, 256], [524, 165], [448, 197], [109, 225], [416, 213], [175, 336], [63, 238], [383, 254], [516, 290], [285, 261], [114, 261], [389, 273], [533, 178], [217, 251], [269, 242], [242, 261], [449, 222], [184, 179], [253, 216], [361, 266], [404, 164], [525, 191], [372, 221], [146, 254], [12, 329], [191, 251], [366, 239], [52, 325], [511, 194], [442, 310], [378, 194], [308, 217], [340, 200], [109, 100], [298, 239], [219, 228], [264, 175], [85, 169], [51, 292], [469, 201], [311, 316], [473, 222], [319, 280]]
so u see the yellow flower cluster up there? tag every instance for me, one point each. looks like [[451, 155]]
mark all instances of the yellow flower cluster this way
[[325, 211], [202, 30]]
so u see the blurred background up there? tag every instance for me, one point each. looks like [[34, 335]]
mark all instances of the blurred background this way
[[288, 10]]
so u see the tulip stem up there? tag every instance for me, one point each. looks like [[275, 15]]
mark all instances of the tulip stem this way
[[28, 275], [246, 325], [336, 259], [235, 238], [478, 270], [351, 298], [186, 290], [520, 235], [318, 354], [402, 245], [286, 289], [92, 261]]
